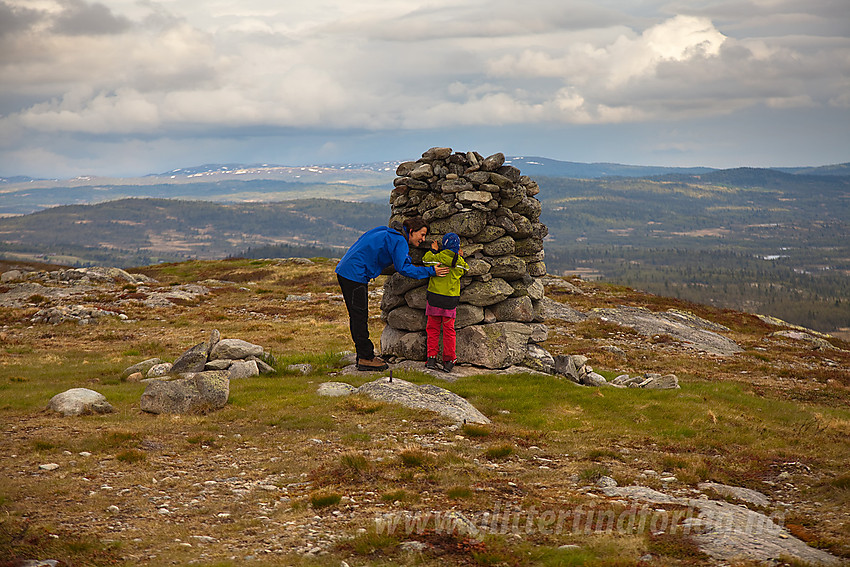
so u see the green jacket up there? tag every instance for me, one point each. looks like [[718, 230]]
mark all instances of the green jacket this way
[[447, 285]]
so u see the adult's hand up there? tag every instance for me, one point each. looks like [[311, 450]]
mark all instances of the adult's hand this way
[[442, 270]]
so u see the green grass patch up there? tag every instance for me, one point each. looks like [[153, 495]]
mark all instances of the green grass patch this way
[[475, 430], [131, 456], [320, 500], [459, 492], [498, 452], [413, 458]]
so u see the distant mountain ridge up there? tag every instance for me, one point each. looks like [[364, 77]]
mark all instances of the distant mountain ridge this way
[[365, 182]]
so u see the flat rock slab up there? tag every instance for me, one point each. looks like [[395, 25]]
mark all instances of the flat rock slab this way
[[693, 332], [79, 401], [729, 532], [748, 495], [418, 396], [461, 371]]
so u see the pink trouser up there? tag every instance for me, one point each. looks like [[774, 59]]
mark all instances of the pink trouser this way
[[433, 328]]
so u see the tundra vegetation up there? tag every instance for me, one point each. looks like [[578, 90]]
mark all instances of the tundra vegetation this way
[[282, 476]]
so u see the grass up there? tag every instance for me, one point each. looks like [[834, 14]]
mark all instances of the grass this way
[[349, 460]]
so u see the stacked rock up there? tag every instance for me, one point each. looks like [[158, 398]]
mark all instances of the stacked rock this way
[[492, 207]]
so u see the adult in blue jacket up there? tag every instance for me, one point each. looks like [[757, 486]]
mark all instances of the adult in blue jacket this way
[[374, 251]]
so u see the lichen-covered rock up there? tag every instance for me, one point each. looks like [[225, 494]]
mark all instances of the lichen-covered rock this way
[[193, 360], [203, 392], [423, 396], [79, 401], [235, 349], [496, 345]]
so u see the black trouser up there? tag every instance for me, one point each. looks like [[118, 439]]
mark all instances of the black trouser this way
[[356, 297]]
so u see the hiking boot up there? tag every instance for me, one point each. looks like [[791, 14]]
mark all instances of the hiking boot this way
[[448, 365], [374, 364], [432, 363]]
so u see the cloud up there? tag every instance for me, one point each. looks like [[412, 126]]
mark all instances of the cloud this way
[[81, 18], [131, 68]]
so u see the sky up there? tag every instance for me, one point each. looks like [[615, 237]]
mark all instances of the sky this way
[[130, 87]]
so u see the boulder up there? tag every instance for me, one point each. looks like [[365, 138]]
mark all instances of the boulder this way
[[496, 345], [483, 294], [423, 396], [235, 349], [159, 370], [410, 346], [79, 401], [243, 369], [203, 392], [514, 309], [407, 319], [508, 268], [193, 360]]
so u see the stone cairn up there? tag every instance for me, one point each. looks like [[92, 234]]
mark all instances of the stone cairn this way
[[492, 207]]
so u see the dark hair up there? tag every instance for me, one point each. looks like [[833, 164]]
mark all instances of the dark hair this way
[[454, 260], [414, 223]]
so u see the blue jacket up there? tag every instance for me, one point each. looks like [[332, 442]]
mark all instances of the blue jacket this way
[[374, 251]]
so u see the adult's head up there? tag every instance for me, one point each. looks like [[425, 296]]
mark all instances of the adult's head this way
[[415, 229]]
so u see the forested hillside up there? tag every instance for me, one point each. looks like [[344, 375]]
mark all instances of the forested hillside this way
[[757, 240]]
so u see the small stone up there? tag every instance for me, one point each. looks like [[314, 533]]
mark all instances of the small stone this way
[[113, 509], [49, 467]]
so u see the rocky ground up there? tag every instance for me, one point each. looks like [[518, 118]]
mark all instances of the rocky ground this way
[[282, 475]]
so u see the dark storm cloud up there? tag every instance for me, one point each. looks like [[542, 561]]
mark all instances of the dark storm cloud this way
[[80, 18], [15, 19]]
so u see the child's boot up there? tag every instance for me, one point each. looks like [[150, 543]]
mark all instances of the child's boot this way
[[432, 363], [448, 365]]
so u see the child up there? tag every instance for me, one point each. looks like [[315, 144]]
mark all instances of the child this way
[[443, 296]]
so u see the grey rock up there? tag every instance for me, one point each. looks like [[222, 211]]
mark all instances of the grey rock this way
[[508, 267], [159, 370], [728, 532], [235, 349], [202, 392], [335, 389], [691, 333], [243, 369], [424, 396], [416, 298], [539, 359], [193, 360], [407, 319], [398, 285], [493, 162], [468, 314], [659, 382], [403, 344], [463, 224], [215, 336], [304, 369], [488, 234], [142, 367], [474, 196], [496, 345], [220, 364], [500, 246], [15, 276], [79, 401], [594, 379], [514, 309], [266, 368], [739, 493], [477, 267], [555, 310], [483, 294], [539, 333], [422, 171]]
